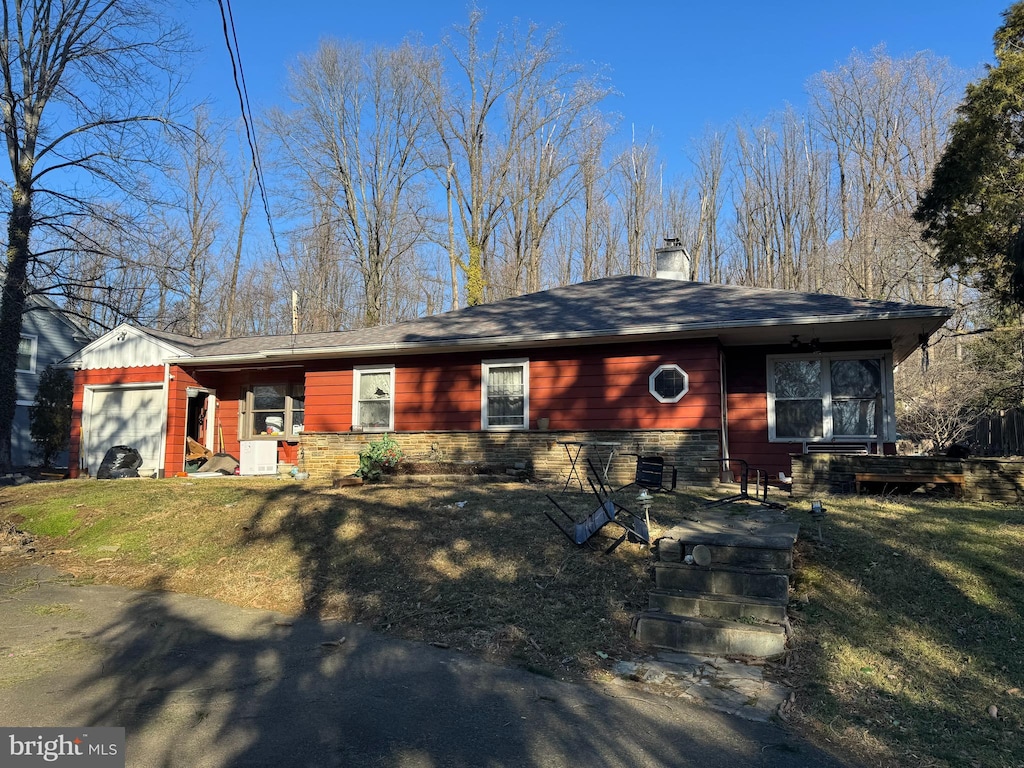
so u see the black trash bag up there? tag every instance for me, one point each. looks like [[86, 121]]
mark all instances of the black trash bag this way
[[120, 461]]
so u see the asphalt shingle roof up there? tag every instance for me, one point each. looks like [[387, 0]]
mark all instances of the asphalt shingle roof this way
[[609, 307]]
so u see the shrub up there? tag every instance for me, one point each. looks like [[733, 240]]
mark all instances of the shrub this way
[[50, 416], [379, 457]]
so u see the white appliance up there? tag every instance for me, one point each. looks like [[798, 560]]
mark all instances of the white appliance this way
[[258, 457]]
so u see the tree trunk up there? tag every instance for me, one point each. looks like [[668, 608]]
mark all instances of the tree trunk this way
[[12, 308], [475, 274]]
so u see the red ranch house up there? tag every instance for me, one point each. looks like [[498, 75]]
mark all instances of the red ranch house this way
[[686, 370]]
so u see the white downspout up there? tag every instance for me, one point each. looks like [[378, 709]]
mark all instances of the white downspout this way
[[161, 470], [725, 407]]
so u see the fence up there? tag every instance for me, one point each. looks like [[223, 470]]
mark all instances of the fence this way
[[999, 434]]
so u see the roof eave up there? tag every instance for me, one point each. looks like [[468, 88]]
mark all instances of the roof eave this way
[[937, 316]]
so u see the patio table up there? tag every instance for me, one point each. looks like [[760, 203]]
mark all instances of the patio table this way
[[573, 448]]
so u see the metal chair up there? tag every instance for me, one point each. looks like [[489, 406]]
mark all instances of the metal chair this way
[[637, 528], [760, 482], [651, 473]]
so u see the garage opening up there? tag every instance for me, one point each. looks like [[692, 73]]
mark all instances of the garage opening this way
[[132, 416]]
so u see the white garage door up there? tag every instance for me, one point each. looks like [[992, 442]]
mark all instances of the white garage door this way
[[128, 416]]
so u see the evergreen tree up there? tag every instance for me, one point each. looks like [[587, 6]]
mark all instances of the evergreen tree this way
[[50, 417], [974, 210]]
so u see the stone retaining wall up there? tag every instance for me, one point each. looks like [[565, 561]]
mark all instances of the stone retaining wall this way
[[328, 456], [984, 479]]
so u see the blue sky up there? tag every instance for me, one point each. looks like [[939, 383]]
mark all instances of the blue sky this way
[[679, 66]]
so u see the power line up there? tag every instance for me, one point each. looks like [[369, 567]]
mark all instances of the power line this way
[[228, 20]]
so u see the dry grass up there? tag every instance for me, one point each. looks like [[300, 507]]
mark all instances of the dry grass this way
[[908, 618], [492, 576], [910, 627]]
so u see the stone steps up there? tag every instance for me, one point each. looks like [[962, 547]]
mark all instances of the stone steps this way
[[722, 580], [704, 635], [698, 604], [732, 550], [721, 584]]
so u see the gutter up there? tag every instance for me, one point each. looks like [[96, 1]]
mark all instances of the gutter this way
[[520, 340]]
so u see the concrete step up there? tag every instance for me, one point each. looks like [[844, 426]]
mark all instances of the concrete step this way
[[711, 636], [755, 529], [771, 558], [722, 580], [681, 603]]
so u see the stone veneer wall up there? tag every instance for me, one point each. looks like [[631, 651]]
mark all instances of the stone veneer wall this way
[[984, 479], [330, 455]]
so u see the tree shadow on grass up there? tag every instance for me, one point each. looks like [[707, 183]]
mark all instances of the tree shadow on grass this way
[[452, 565], [922, 603], [197, 683]]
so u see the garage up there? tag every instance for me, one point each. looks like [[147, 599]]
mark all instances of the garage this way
[[126, 415]]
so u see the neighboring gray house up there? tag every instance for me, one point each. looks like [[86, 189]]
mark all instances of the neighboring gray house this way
[[47, 336]]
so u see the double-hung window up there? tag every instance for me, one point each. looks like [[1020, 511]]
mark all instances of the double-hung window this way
[[275, 410], [26, 354], [829, 397], [505, 394], [373, 401]]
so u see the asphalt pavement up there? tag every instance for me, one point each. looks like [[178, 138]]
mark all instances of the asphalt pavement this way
[[199, 683]]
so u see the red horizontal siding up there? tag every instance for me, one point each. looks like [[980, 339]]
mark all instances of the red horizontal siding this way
[[328, 401], [177, 415], [747, 409], [578, 388]]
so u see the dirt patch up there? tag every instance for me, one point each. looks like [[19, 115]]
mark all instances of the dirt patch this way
[[460, 468]]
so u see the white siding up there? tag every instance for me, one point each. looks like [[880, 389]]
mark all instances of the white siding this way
[[125, 347]]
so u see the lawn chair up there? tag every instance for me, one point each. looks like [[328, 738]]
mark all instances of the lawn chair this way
[[760, 486], [637, 529], [651, 473]]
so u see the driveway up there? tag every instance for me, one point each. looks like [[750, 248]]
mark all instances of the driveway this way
[[200, 683]]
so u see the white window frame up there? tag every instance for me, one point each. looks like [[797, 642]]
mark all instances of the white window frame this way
[[485, 369], [357, 373], [661, 398], [888, 427], [34, 340]]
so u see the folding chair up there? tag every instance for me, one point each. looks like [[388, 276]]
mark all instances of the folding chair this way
[[637, 529], [651, 473]]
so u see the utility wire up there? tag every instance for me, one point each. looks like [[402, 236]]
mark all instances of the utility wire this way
[[228, 20]]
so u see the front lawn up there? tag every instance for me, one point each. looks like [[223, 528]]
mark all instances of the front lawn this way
[[910, 638], [476, 567], [907, 617]]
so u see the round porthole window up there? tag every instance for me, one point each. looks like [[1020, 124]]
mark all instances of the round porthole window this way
[[669, 383]]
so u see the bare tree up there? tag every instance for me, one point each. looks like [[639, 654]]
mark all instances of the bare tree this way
[[590, 144], [546, 173], [638, 194], [193, 224], [502, 99], [355, 138], [84, 83], [328, 293], [709, 161], [939, 405], [243, 199], [782, 218], [883, 121]]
